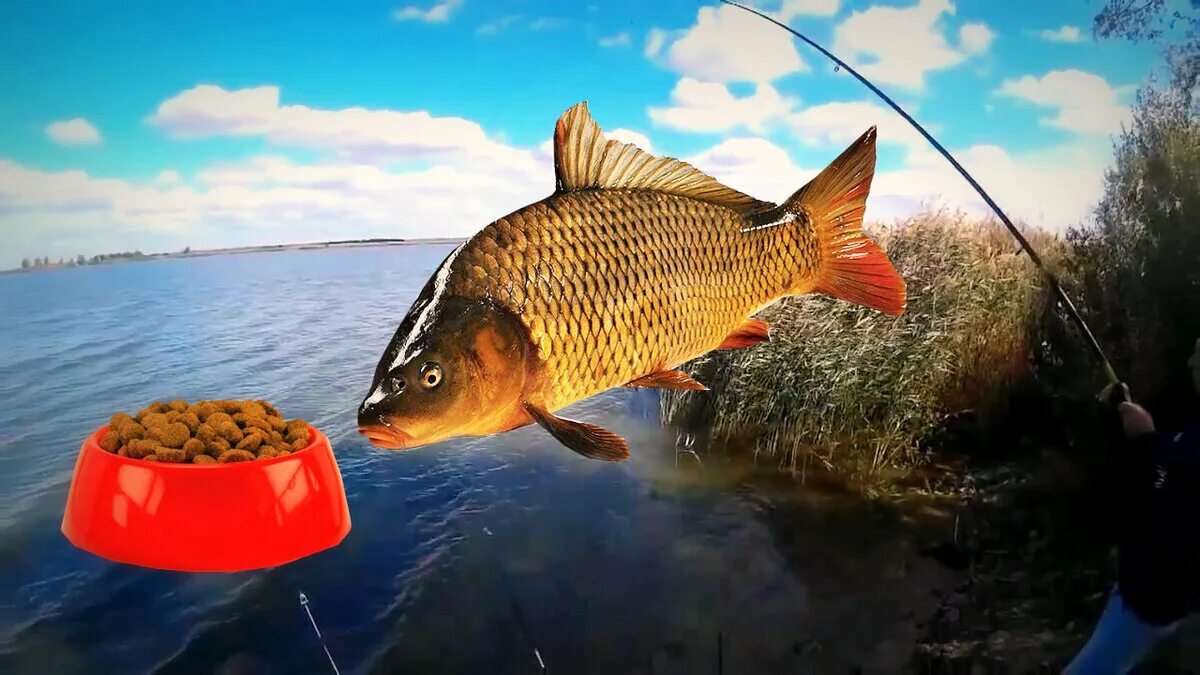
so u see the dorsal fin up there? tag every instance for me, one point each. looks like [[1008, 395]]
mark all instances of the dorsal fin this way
[[585, 160]]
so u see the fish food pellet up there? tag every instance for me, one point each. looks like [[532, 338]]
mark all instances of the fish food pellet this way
[[171, 435], [111, 441], [236, 456], [174, 455], [153, 419], [205, 432], [193, 447]]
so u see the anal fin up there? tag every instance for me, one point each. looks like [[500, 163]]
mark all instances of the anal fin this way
[[750, 333], [586, 439], [667, 379]]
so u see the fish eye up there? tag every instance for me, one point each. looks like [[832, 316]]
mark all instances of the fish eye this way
[[431, 375]]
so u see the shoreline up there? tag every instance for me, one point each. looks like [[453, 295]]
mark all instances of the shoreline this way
[[239, 250]]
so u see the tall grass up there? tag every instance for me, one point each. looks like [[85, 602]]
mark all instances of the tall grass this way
[[859, 391]]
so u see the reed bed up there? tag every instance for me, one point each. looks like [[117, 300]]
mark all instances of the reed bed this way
[[861, 392]]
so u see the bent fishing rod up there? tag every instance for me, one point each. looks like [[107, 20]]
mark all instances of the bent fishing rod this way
[[1037, 260]]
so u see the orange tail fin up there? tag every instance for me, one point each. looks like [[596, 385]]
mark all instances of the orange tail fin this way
[[854, 268]]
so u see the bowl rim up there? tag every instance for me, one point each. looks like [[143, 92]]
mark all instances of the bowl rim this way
[[91, 444]]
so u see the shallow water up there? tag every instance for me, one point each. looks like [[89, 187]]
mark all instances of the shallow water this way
[[628, 568]]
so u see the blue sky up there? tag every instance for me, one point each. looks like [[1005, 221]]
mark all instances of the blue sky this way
[[158, 126]]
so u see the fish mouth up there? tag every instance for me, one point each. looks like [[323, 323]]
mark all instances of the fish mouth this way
[[382, 436]]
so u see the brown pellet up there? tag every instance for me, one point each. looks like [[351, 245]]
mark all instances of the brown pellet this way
[[153, 419], [172, 435], [111, 441], [250, 442], [205, 432], [191, 421], [173, 455], [193, 447], [253, 409]]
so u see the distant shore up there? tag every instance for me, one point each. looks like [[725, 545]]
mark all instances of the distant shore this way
[[200, 253]]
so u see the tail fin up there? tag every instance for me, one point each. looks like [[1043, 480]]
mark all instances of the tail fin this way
[[854, 268]]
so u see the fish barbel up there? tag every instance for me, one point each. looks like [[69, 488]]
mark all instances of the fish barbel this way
[[634, 265]]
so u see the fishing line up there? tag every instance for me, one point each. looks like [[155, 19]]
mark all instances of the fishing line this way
[[522, 625], [304, 604], [1037, 260]]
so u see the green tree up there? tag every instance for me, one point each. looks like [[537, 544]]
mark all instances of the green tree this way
[[1137, 261], [24, 263], [80, 260], [1176, 28]]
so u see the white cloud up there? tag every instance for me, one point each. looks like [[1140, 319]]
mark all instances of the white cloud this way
[[655, 39], [840, 122], [384, 173], [365, 135], [547, 24], [458, 185], [790, 9], [77, 131], [1053, 188], [631, 136], [975, 37], [439, 12], [755, 166], [497, 25], [1085, 102], [621, 39], [900, 46], [710, 106], [259, 201], [267, 199], [1065, 34], [727, 44]]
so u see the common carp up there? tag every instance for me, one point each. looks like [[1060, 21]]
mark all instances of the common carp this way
[[634, 265]]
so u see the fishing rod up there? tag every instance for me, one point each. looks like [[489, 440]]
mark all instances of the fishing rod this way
[[1037, 260]]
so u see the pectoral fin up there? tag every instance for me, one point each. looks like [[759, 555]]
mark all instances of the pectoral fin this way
[[588, 440], [751, 332], [668, 379]]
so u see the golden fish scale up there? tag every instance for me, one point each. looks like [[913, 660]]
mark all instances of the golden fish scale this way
[[615, 284]]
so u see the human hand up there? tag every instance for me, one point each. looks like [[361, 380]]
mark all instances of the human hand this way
[[1113, 393], [1134, 419]]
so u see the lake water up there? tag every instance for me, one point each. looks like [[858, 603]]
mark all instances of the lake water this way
[[604, 568]]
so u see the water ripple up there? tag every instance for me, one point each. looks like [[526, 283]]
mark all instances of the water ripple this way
[[417, 576]]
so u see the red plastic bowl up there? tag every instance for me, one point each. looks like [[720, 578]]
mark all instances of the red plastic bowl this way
[[206, 517]]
